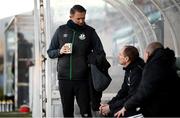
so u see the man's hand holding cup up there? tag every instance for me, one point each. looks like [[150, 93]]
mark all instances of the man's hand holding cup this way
[[66, 48]]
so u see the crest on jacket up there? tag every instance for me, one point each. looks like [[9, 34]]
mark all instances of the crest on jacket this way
[[82, 36]]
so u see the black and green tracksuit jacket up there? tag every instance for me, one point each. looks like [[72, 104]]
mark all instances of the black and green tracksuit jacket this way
[[84, 41]]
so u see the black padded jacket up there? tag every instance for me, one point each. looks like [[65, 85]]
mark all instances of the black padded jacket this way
[[84, 41]]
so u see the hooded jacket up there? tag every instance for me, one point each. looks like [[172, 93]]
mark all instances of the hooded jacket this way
[[84, 41], [157, 93]]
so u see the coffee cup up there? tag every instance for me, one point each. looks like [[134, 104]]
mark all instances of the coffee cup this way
[[68, 46]]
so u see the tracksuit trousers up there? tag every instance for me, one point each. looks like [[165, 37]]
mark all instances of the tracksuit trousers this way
[[75, 89]]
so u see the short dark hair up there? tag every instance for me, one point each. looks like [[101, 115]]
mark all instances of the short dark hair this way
[[78, 8], [20, 35], [131, 52]]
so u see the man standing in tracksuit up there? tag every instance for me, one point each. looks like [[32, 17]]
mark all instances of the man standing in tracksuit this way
[[73, 61]]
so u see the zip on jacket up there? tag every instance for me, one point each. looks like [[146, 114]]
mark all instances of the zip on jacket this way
[[70, 74]]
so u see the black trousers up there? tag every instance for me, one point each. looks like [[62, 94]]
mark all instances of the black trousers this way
[[95, 96], [79, 89], [23, 95]]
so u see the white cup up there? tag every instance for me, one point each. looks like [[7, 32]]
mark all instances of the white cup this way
[[69, 47]]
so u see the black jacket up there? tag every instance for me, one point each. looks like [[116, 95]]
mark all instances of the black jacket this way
[[132, 78], [24, 55], [84, 41], [157, 94], [103, 65]]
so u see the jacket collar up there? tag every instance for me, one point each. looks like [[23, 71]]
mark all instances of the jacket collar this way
[[74, 26], [164, 55], [137, 61]]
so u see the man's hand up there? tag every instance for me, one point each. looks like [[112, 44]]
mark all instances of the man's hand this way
[[29, 63], [120, 113], [100, 108], [64, 50], [104, 109]]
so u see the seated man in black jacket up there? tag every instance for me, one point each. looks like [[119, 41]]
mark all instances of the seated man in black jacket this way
[[133, 66], [157, 94]]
